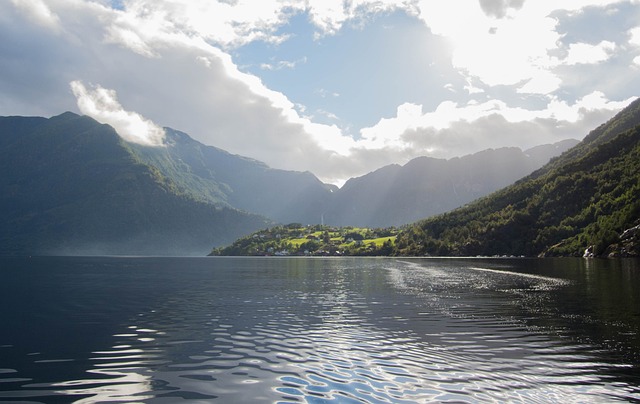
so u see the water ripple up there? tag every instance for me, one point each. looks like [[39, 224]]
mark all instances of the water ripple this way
[[377, 333]]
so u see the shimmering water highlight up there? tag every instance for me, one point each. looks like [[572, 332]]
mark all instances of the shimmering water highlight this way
[[317, 330]]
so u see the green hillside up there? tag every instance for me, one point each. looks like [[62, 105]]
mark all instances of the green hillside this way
[[70, 185], [296, 239], [588, 198]]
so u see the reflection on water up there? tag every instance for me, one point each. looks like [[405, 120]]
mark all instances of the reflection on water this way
[[319, 330]]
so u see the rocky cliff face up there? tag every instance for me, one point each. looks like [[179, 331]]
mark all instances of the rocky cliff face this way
[[627, 246]]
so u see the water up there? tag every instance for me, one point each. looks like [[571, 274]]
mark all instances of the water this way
[[166, 330]]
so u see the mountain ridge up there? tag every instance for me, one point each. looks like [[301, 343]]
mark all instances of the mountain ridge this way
[[71, 185], [224, 179], [579, 203], [425, 186]]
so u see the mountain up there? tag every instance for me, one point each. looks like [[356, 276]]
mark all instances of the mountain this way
[[70, 185], [215, 176], [582, 202], [391, 196], [395, 195]]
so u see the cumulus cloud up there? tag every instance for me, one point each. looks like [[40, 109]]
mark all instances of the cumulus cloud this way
[[582, 53], [330, 15], [499, 8], [454, 129], [102, 104], [39, 12], [634, 40], [171, 62], [634, 36], [507, 51], [511, 42]]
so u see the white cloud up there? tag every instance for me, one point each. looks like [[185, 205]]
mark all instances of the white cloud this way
[[504, 51], [634, 36], [282, 64], [506, 42], [582, 53], [499, 8], [39, 12], [169, 61], [228, 24], [543, 82], [634, 40], [102, 105], [330, 15], [232, 24], [388, 130], [128, 38], [454, 129]]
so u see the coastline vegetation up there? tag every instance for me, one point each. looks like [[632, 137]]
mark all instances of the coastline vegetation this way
[[313, 240], [582, 203]]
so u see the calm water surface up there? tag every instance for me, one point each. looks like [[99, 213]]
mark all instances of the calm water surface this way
[[166, 330]]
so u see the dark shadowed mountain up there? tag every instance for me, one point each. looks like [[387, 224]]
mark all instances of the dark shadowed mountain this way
[[70, 185], [587, 201], [396, 195]]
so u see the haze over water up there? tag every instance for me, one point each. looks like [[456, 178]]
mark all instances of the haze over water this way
[[166, 330]]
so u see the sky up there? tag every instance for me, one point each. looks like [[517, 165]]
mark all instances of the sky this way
[[338, 88]]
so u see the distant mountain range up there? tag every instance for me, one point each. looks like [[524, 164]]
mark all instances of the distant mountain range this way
[[70, 185], [396, 195], [584, 202], [391, 196]]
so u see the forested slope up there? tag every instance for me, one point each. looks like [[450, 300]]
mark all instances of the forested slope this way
[[588, 199]]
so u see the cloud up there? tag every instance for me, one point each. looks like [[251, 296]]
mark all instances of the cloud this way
[[582, 53], [171, 62], [102, 105], [634, 36], [634, 40], [330, 15], [499, 8], [506, 51], [39, 12], [128, 38], [511, 43], [171, 77], [227, 24], [282, 64], [453, 129]]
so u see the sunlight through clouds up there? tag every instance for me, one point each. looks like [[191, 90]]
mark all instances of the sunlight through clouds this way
[[504, 51], [485, 73]]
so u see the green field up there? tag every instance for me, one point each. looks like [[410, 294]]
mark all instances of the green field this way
[[295, 239]]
